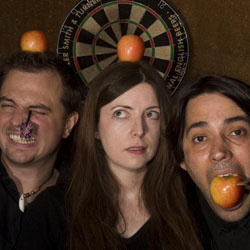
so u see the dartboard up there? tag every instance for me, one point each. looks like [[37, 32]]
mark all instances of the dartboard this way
[[89, 35]]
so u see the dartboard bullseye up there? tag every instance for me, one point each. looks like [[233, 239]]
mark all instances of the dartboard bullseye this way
[[91, 31]]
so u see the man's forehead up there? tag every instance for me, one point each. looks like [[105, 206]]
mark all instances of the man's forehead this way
[[33, 88], [43, 79], [210, 102], [207, 108]]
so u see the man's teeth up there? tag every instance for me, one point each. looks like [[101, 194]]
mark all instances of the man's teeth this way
[[226, 175], [18, 139]]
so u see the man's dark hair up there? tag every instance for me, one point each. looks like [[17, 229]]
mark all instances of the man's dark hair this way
[[73, 88], [236, 90]]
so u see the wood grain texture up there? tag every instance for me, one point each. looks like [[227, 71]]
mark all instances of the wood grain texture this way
[[218, 31]]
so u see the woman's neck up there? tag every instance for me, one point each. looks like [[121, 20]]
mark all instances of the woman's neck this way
[[131, 202]]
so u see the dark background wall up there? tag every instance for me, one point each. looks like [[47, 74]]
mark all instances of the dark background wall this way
[[218, 30]]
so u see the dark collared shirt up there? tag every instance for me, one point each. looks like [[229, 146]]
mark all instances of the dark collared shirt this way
[[42, 225], [10, 215], [226, 235], [218, 234]]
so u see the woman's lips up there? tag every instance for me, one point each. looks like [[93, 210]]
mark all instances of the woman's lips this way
[[136, 149]]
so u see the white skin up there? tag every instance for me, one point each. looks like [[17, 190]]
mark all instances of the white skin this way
[[129, 130], [217, 141], [30, 162]]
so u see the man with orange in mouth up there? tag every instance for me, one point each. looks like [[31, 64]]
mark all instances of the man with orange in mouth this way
[[210, 137]]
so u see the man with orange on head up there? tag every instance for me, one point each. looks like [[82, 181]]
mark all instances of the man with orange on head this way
[[39, 102]]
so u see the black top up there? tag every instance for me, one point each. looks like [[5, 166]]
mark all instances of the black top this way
[[139, 240], [42, 222], [218, 234]]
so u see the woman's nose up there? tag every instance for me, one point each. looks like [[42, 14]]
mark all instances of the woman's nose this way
[[139, 127]]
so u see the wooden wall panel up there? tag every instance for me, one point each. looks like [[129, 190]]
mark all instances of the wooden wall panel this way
[[218, 29]]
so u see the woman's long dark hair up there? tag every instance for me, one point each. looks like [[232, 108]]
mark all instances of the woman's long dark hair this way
[[93, 193]]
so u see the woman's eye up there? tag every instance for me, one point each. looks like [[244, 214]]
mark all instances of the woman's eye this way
[[153, 115], [199, 139], [120, 113]]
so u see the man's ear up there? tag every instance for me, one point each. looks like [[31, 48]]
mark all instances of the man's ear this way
[[71, 122], [183, 166]]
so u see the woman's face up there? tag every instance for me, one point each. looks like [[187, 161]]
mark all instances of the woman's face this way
[[129, 128]]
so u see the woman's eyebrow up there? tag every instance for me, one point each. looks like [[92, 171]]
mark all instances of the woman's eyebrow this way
[[121, 106], [128, 107]]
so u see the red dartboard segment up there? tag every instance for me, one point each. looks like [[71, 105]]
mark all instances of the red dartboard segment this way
[[90, 32]]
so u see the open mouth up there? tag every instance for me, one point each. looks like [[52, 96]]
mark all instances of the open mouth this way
[[18, 139]]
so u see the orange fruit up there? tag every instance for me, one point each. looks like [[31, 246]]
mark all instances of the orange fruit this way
[[130, 48], [34, 41]]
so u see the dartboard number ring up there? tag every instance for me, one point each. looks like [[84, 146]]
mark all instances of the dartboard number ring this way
[[89, 35]]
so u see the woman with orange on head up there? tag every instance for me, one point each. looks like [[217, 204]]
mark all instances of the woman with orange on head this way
[[124, 192]]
